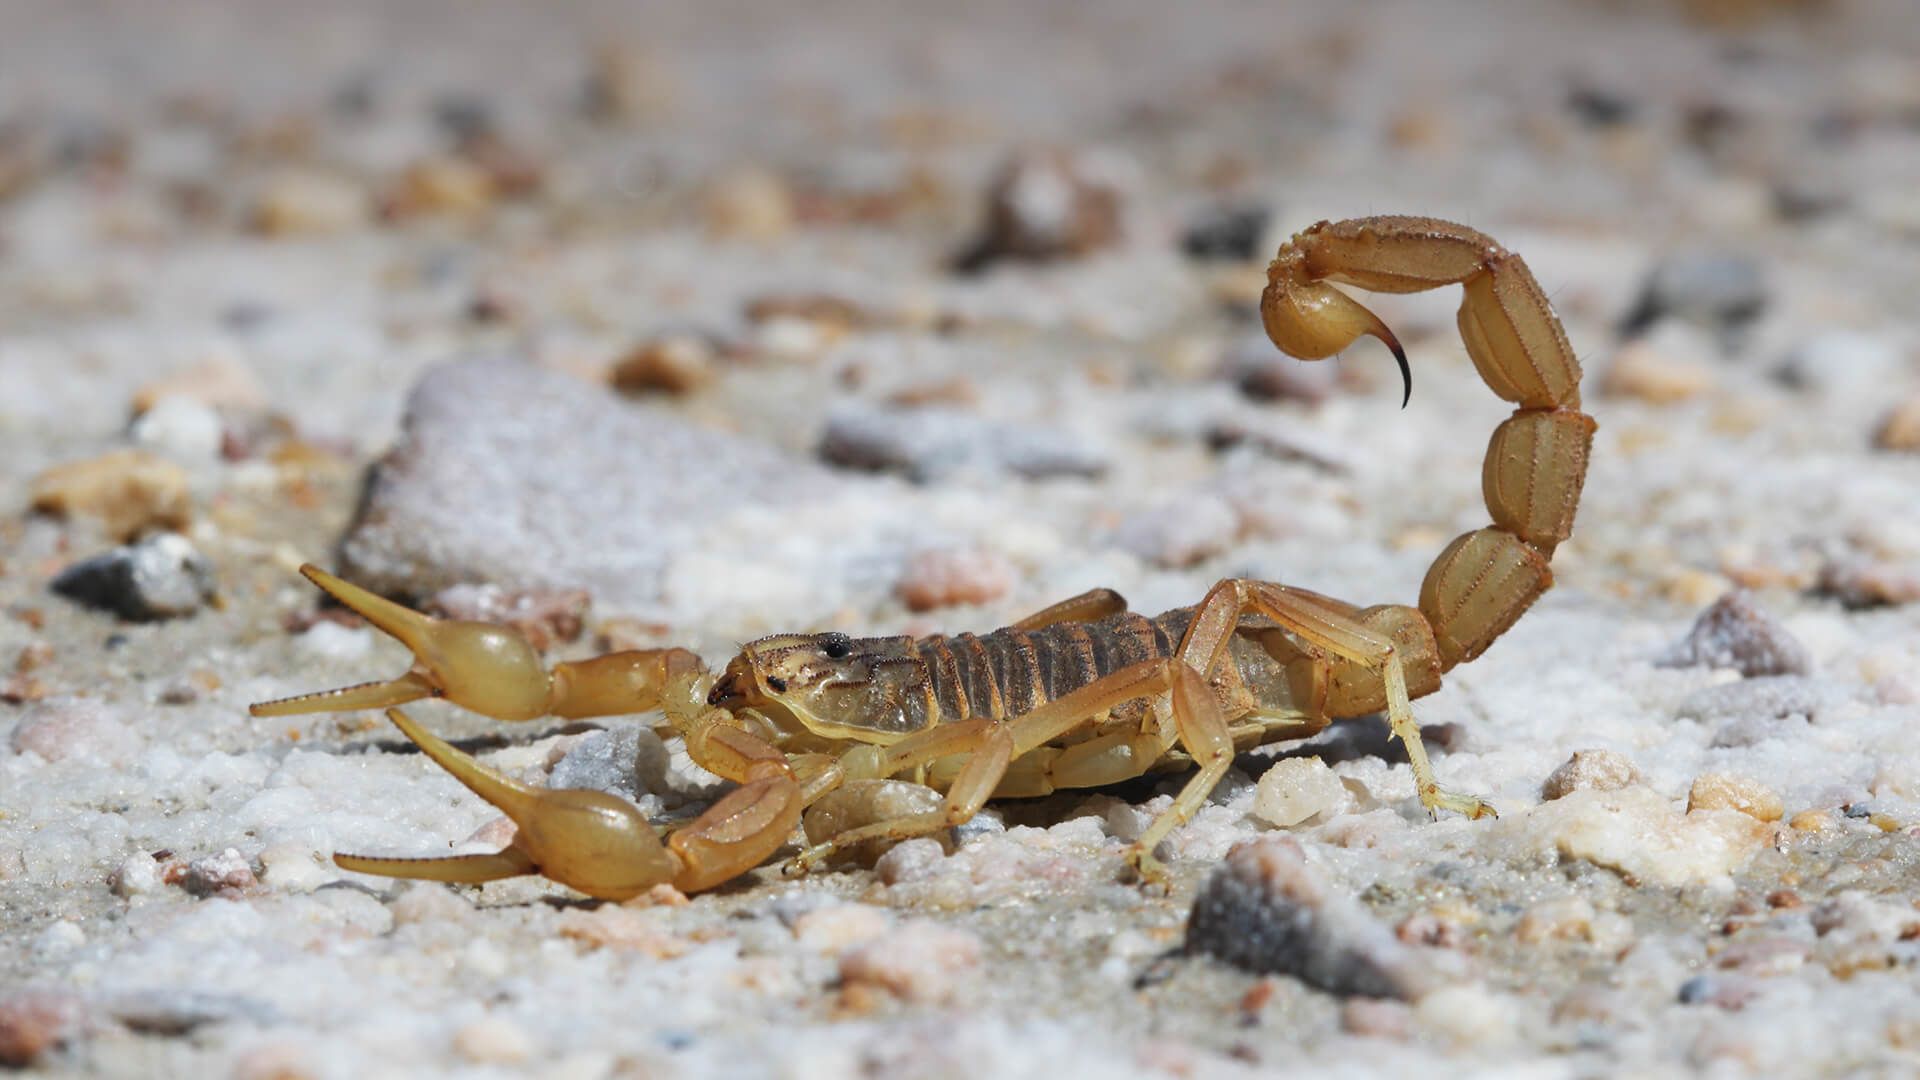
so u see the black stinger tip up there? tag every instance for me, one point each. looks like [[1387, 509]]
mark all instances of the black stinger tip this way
[[1406, 373]]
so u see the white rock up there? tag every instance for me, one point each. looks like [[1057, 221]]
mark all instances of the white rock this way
[[1296, 789]]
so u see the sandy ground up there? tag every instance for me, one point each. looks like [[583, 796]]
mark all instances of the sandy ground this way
[[244, 241]]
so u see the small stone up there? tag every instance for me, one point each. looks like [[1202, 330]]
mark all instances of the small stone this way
[[629, 761], [542, 616], [443, 184], [1728, 791], [1733, 633], [495, 1040], [227, 872], [137, 875], [909, 861], [749, 204], [1182, 532], [310, 203], [835, 927], [917, 961], [1720, 291], [1812, 821], [1232, 231], [1642, 370], [1639, 833], [679, 364], [161, 577], [1763, 956], [33, 1022], [615, 926], [1049, 203], [182, 428], [1264, 911], [942, 577], [1377, 1019], [1862, 583], [130, 491], [1297, 789], [67, 728], [1469, 1015], [1590, 770], [1573, 918], [1900, 429], [929, 444]]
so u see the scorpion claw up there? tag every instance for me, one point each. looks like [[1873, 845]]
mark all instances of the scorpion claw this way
[[593, 841], [486, 668]]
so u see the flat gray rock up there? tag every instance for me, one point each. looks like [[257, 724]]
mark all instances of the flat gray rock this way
[[510, 474]]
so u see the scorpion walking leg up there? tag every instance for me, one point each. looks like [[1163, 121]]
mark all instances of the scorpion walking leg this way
[[1090, 606]]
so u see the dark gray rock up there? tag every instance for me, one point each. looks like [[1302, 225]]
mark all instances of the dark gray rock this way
[[1733, 633], [1266, 912], [160, 577], [1721, 291]]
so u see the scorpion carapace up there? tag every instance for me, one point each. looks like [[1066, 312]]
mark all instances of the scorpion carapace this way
[[1083, 693]]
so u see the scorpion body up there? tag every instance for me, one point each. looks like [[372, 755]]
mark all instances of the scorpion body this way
[[1081, 694]]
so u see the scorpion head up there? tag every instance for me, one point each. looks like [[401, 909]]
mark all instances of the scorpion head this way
[[830, 684]]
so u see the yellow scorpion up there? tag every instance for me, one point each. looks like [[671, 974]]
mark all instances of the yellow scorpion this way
[[824, 727]]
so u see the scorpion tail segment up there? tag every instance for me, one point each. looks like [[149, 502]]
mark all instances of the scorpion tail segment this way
[[1313, 320], [489, 669], [590, 840]]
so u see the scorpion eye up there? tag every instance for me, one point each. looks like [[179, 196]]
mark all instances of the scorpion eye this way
[[837, 648], [776, 684]]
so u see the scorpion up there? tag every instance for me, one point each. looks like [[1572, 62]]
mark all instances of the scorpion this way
[[820, 729]]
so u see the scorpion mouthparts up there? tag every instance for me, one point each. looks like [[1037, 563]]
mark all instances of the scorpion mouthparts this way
[[726, 686]]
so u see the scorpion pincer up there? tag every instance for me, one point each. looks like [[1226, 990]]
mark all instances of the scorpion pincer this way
[[1081, 694]]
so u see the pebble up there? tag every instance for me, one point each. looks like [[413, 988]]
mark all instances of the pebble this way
[[494, 1040], [35, 1021], [1265, 911], [129, 491], [618, 927], [1049, 203], [748, 204], [443, 184], [1639, 833], [183, 428], [1723, 292], [1182, 532], [929, 445], [1734, 633], [543, 616], [221, 381], [1469, 1015], [629, 761], [943, 577], [1297, 789], [1860, 583], [1900, 429], [1776, 955], [1590, 770], [161, 577], [310, 204], [1730, 791], [225, 873], [918, 961], [66, 728], [677, 364], [1730, 992], [482, 438], [836, 927], [1231, 231], [137, 875]]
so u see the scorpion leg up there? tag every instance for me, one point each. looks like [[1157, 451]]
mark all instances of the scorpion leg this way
[[1364, 655], [1090, 606], [599, 843]]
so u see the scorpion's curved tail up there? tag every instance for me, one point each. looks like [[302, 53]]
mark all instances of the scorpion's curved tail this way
[[1536, 462]]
